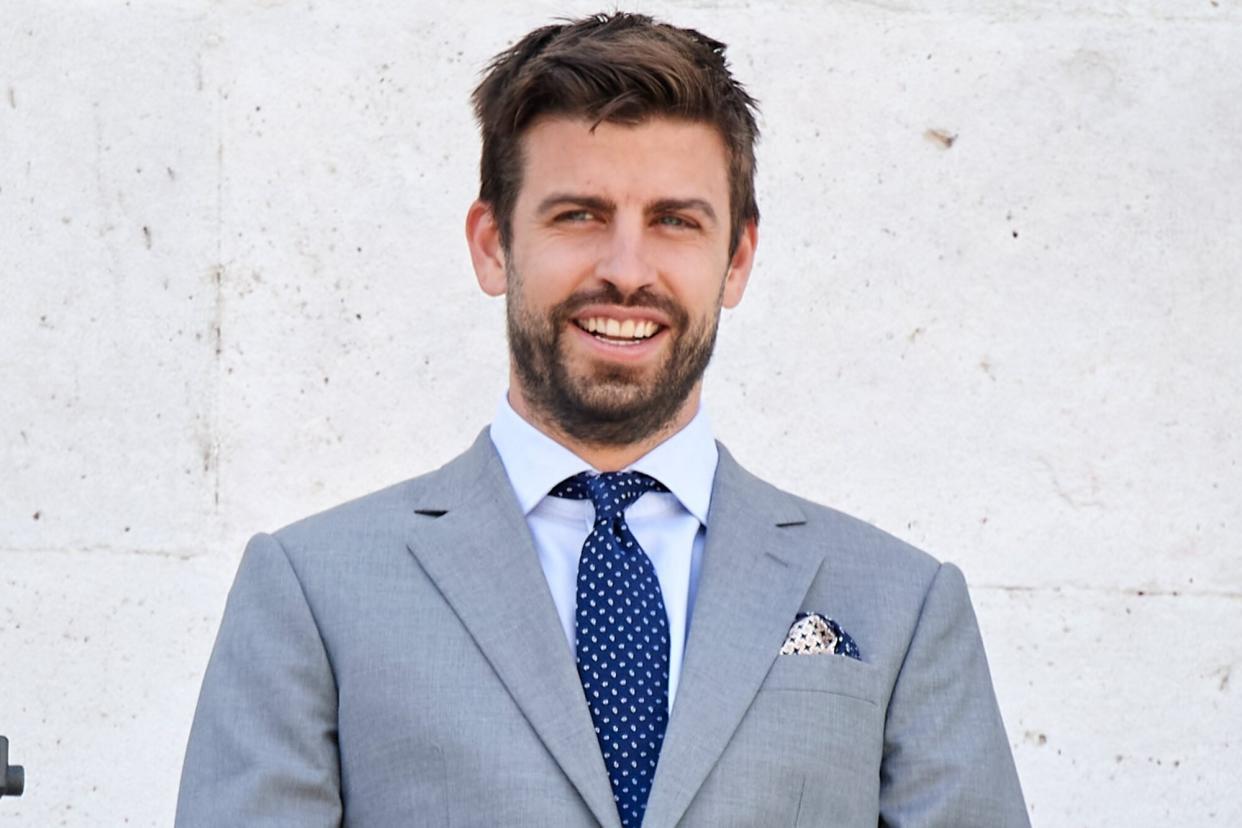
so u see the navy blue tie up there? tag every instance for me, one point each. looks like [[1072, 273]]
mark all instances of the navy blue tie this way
[[622, 632]]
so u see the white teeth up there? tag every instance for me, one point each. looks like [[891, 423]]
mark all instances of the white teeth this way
[[614, 329]]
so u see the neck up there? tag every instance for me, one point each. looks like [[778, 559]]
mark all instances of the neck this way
[[603, 457]]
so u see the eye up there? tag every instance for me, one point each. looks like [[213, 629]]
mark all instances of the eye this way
[[674, 220], [576, 216]]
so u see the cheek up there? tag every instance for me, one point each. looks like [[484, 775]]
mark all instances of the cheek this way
[[549, 276], [695, 278]]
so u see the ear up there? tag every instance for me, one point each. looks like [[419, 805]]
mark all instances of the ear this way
[[486, 251], [740, 265]]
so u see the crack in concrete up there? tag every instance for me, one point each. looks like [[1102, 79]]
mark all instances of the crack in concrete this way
[[1035, 14], [105, 549], [217, 274], [1065, 494], [1133, 592]]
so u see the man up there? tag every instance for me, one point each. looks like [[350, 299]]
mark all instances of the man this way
[[594, 615]]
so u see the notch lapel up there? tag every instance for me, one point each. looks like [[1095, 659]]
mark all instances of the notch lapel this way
[[753, 581], [479, 552]]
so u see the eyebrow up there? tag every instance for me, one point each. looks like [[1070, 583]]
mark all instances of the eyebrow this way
[[606, 206], [600, 205]]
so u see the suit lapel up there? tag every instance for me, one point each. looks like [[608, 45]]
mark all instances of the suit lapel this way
[[474, 543], [753, 580]]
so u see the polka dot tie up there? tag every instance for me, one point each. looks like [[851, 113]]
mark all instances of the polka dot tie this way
[[622, 631]]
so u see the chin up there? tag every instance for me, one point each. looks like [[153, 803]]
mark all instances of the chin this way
[[612, 397]]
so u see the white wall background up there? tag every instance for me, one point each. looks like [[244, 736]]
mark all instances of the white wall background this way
[[233, 291]]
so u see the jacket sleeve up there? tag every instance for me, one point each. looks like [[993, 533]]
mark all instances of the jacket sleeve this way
[[263, 746], [947, 760]]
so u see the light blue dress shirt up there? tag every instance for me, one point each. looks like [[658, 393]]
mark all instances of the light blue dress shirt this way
[[668, 525]]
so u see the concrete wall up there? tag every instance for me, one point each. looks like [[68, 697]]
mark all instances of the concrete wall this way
[[234, 291]]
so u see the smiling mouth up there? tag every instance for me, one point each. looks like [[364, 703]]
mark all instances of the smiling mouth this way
[[619, 331]]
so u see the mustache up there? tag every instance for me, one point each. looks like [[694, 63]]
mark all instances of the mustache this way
[[609, 294]]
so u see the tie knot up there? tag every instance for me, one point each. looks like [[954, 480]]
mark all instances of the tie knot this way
[[610, 492]]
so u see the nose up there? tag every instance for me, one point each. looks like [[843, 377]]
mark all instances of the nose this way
[[625, 259]]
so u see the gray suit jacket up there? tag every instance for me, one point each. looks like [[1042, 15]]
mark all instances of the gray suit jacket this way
[[398, 661]]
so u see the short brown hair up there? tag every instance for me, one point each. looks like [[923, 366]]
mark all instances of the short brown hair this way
[[621, 68]]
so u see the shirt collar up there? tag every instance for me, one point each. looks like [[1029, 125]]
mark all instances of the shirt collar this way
[[685, 463]]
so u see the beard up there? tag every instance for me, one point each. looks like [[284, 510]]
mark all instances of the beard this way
[[608, 405]]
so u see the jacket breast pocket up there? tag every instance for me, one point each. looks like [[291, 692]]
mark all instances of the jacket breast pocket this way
[[831, 674], [820, 720], [807, 752]]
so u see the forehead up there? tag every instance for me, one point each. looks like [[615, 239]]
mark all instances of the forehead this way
[[656, 158]]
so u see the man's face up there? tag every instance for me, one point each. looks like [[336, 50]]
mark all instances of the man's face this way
[[616, 272]]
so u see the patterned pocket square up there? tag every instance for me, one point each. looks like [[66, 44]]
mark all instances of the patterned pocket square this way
[[815, 634]]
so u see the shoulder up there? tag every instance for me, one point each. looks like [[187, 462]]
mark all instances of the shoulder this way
[[862, 564], [876, 585], [841, 535], [853, 540]]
